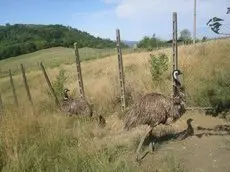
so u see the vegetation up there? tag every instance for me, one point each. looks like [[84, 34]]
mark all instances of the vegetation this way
[[59, 85], [54, 57], [50, 141], [185, 36], [20, 39], [158, 65], [151, 42]]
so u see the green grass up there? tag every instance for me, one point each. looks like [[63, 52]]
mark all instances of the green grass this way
[[53, 57]]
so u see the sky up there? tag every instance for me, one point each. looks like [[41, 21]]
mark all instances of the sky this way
[[134, 18]]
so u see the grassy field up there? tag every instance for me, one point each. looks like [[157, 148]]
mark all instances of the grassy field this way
[[53, 57], [52, 141]]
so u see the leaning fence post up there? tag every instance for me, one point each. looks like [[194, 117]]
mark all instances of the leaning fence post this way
[[175, 49], [1, 106], [79, 74], [49, 84], [121, 71], [26, 85], [13, 88]]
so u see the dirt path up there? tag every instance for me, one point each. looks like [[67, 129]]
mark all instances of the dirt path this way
[[207, 151], [210, 152]]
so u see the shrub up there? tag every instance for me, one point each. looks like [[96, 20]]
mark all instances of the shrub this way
[[58, 84], [158, 65]]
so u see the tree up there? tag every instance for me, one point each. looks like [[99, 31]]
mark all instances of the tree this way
[[185, 35], [150, 42], [19, 39]]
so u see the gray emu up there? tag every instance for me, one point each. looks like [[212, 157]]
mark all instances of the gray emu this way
[[80, 107], [154, 109], [77, 106]]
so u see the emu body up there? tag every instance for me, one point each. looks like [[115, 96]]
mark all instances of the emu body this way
[[77, 106], [153, 109]]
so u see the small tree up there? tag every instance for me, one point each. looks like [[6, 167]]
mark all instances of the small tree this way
[[158, 65], [185, 35], [58, 85]]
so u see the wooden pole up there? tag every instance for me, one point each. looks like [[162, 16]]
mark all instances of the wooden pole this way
[[79, 74], [13, 88], [26, 85], [1, 106], [50, 85], [121, 70], [175, 50], [194, 24]]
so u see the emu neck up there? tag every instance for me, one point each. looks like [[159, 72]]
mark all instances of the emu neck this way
[[190, 128], [66, 96]]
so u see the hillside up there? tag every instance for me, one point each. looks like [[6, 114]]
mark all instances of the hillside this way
[[20, 39], [53, 57]]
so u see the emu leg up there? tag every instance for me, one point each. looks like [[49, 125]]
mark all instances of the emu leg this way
[[149, 131]]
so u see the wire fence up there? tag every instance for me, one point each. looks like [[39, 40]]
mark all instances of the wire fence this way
[[55, 57]]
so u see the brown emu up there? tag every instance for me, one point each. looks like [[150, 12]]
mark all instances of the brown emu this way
[[80, 107], [77, 106], [154, 109], [189, 131]]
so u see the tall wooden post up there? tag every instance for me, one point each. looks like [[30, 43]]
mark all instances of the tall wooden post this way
[[13, 88], [26, 85], [194, 24], [121, 71], [175, 49], [79, 74], [50, 85]]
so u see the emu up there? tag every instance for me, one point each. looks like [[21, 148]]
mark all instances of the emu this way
[[80, 107], [75, 106], [189, 131], [154, 109]]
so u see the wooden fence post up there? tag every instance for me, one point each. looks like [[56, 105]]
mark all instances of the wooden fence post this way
[[79, 74], [13, 88], [1, 106], [121, 71], [50, 85], [175, 49], [26, 85]]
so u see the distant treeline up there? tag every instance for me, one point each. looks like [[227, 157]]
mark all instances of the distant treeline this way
[[20, 39], [154, 42]]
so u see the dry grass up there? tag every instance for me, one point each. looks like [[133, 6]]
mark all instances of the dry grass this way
[[50, 141]]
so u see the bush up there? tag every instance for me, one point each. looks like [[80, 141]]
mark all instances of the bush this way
[[58, 85], [158, 65]]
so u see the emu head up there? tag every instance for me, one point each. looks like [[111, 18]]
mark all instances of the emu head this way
[[189, 121], [66, 96], [175, 75]]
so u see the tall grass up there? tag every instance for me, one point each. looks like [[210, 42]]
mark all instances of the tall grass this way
[[52, 141]]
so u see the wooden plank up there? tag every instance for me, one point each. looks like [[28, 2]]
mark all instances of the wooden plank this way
[[13, 88], [121, 70], [50, 85]]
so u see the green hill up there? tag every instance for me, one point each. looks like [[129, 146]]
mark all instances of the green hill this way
[[20, 39]]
